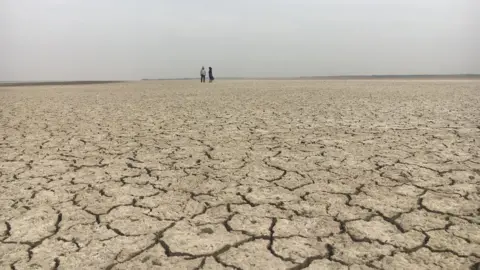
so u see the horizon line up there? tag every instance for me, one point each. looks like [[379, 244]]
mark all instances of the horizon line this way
[[326, 76], [375, 76]]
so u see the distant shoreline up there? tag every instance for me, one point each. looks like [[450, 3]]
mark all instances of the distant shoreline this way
[[447, 76], [47, 83], [340, 77]]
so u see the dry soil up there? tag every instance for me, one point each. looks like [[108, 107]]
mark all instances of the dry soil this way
[[241, 175]]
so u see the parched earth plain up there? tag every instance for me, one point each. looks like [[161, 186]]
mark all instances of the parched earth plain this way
[[241, 175]]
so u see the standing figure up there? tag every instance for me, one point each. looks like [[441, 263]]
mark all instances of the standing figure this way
[[210, 74], [203, 73]]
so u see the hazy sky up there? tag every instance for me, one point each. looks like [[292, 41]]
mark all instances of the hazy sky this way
[[129, 39]]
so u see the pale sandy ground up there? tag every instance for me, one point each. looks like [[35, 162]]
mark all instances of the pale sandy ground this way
[[241, 175]]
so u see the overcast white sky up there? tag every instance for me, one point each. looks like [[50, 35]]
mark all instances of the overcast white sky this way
[[129, 39]]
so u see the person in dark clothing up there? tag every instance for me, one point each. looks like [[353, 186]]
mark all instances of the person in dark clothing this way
[[210, 74], [203, 73]]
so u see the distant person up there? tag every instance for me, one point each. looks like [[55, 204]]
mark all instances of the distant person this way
[[210, 74], [203, 73]]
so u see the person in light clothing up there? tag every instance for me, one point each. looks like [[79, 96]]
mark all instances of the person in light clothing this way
[[203, 74]]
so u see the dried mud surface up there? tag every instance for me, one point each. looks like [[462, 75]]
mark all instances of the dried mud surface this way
[[241, 175]]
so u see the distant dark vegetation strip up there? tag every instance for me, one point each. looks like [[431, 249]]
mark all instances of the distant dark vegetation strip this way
[[55, 83]]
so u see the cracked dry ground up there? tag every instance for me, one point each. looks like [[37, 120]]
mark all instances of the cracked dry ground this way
[[241, 175]]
